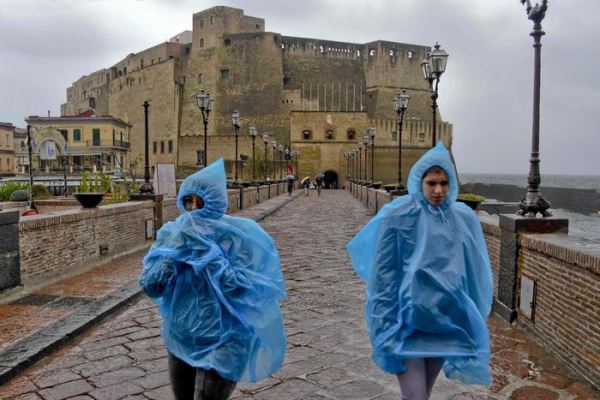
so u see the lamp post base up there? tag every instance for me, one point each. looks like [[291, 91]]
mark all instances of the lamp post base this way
[[531, 207], [147, 188]]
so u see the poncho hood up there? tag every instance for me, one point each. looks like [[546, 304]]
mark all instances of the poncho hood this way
[[439, 156], [210, 183]]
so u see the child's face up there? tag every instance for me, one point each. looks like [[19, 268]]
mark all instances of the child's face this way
[[435, 187], [192, 202]]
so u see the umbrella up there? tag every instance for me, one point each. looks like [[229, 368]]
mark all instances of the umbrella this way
[[304, 179]]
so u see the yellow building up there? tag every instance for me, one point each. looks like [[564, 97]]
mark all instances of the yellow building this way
[[93, 143], [7, 150]]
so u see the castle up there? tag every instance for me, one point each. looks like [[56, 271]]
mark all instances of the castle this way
[[316, 97]]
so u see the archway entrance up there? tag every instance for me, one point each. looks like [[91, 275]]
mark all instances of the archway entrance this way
[[331, 180]]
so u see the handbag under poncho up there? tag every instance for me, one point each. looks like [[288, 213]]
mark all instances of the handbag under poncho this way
[[218, 283], [429, 279]]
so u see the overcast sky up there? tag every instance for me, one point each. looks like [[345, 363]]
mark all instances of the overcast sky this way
[[486, 91]]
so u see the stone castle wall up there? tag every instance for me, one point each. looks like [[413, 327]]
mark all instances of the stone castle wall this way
[[263, 75]]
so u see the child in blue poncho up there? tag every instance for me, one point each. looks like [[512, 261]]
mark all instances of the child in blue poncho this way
[[218, 283], [425, 261]]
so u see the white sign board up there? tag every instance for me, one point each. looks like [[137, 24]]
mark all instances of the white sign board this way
[[164, 180], [527, 296], [48, 150]]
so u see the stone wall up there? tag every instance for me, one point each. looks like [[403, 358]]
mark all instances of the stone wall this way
[[566, 272], [59, 244]]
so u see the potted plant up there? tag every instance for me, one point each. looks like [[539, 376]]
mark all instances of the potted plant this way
[[90, 194], [470, 199]]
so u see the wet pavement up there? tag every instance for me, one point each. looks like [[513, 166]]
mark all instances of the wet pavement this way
[[328, 353]]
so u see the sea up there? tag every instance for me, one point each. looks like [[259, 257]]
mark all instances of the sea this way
[[580, 225]]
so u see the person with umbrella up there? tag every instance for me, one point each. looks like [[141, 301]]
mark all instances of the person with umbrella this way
[[305, 182], [319, 179]]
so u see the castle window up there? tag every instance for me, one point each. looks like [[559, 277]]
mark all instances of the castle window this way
[[142, 63], [421, 137], [257, 27], [201, 22], [170, 146], [227, 42], [224, 74], [394, 135], [124, 71], [357, 53], [329, 134], [351, 134], [391, 53], [321, 49], [409, 54], [199, 78], [154, 147], [162, 147], [212, 19], [201, 42], [307, 134], [371, 52]]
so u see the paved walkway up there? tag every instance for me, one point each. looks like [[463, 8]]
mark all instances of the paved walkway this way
[[329, 352]]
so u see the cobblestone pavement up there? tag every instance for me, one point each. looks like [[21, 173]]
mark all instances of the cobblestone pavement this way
[[328, 353]]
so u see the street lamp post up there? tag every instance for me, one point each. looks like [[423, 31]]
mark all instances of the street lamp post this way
[[400, 105], [371, 132], [236, 121], [273, 155], [147, 186], [433, 67], [365, 141], [253, 133], [287, 159], [266, 156], [533, 202], [205, 104], [281, 160], [359, 149]]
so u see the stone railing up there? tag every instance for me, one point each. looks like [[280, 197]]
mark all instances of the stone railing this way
[[64, 239], [563, 273]]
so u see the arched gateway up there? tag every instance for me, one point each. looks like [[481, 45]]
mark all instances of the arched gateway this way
[[331, 180]]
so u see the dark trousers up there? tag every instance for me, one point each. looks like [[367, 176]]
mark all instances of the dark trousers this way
[[189, 383]]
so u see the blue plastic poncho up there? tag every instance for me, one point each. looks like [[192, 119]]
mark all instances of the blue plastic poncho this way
[[217, 280], [429, 279]]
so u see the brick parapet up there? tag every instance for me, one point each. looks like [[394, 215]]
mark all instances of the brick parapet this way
[[576, 251]]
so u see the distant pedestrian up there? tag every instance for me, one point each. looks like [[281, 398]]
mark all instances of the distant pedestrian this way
[[429, 294], [217, 280], [306, 185], [319, 182], [290, 183]]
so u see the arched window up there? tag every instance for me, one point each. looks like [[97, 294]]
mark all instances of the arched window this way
[[329, 134], [371, 52], [199, 78], [307, 134], [351, 134], [201, 42]]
